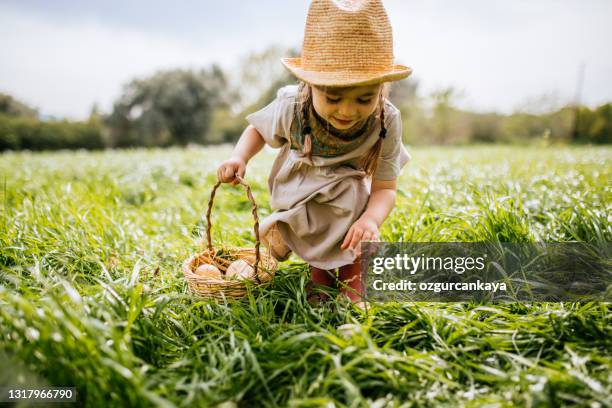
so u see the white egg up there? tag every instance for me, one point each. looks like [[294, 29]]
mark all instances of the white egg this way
[[209, 271], [240, 269]]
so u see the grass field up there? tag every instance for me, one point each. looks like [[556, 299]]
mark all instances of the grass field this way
[[92, 295]]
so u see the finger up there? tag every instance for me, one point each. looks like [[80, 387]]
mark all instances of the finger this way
[[235, 174], [347, 239], [356, 238], [229, 173], [364, 238], [367, 236], [241, 170]]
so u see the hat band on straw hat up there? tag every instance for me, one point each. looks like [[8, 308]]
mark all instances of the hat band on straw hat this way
[[345, 78]]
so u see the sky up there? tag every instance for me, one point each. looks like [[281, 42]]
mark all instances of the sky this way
[[62, 56]]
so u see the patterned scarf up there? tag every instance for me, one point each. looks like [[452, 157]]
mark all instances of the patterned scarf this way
[[328, 141]]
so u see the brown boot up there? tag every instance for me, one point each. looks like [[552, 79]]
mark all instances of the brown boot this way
[[350, 281], [319, 277]]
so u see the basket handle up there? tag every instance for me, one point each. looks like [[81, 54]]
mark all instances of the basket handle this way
[[256, 228]]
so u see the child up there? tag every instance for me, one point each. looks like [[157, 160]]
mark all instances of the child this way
[[333, 182]]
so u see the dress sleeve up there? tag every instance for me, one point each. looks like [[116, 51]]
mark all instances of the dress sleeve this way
[[394, 155], [273, 121]]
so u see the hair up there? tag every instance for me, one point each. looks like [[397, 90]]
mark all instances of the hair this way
[[369, 162]]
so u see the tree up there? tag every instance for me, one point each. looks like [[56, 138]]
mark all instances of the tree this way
[[170, 107], [259, 77], [404, 93], [254, 84], [12, 107], [443, 109]]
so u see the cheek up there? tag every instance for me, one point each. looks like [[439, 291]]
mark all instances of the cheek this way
[[367, 110], [323, 109]]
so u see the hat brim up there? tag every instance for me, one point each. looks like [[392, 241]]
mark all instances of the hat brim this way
[[344, 78]]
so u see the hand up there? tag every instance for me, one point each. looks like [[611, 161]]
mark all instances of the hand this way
[[364, 229], [228, 169]]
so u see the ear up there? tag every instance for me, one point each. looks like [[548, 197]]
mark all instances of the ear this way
[[309, 90], [386, 89]]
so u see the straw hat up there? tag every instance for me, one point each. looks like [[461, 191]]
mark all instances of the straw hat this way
[[347, 43]]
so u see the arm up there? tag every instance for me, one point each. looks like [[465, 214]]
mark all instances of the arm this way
[[249, 144], [380, 204], [382, 200]]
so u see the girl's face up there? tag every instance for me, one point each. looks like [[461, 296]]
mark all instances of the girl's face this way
[[344, 107]]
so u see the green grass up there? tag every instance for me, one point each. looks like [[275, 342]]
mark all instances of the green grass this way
[[92, 295]]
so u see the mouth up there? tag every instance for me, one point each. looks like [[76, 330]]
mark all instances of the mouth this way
[[343, 122]]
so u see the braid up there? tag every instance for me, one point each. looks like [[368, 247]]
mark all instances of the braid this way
[[369, 163], [305, 101]]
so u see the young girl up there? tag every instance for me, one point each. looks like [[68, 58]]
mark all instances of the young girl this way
[[333, 182]]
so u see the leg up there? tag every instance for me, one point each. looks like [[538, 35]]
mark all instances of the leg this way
[[350, 281], [320, 277], [273, 240]]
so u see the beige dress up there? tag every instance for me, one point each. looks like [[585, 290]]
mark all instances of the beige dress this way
[[316, 205]]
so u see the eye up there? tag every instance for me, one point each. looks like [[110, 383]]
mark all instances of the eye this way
[[364, 101], [331, 100]]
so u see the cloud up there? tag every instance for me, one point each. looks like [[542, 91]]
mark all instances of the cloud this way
[[65, 69], [502, 54]]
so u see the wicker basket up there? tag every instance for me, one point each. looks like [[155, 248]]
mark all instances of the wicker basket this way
[[263, 263]]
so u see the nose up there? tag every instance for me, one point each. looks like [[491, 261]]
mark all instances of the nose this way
[[346, 111]]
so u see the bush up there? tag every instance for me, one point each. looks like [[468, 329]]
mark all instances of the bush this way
[[33, 134], [594, 126]]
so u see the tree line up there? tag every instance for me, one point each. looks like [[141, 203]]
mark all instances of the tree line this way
[[208, 106]]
